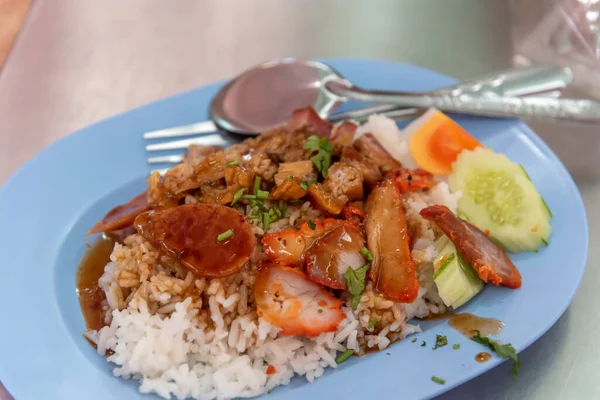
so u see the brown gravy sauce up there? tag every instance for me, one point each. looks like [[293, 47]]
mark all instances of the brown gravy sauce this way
[[91, 268], [467, 324], [483, 357]]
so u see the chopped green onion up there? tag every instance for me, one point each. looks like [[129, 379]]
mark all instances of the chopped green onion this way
[[258, 204], [456, 346], [233, 163], [249, 197], [277, 212], [304, 186], [424, 344], [438, 380], [372, 323], [310, 183], [312, 224], [282, 205], [238, 195], [256, 187], [414, 340], [225, 235], [266, 221], [366, 254], [344, 356], [262, 194]]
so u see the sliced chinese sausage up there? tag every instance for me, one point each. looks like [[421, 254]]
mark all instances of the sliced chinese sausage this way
[[490, 261], [189, 234], [392, 269], [122, 216], [331, 255], [286, 298]]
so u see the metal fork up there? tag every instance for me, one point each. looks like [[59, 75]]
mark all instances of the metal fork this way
[[546, 81]]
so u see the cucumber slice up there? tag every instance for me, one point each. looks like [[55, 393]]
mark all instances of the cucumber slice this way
[[499, 197], [456, 280]]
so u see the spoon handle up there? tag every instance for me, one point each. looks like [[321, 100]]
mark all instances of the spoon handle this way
[[569, 110]]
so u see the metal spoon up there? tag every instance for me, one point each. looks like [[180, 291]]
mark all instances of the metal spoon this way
[[264, 96]]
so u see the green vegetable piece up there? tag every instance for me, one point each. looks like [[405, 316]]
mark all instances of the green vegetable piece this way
[[356, 283], [312, 224], [503, 350], [344, 356], [233, 163], [440, 341], [372, 323], [321, 160], [499, 197], [262, 194], [444, 265], [238, 195], [438, 380], [256, 186], [366, 254], [424, 344], [221, 237], [456, 346], [414, 340]]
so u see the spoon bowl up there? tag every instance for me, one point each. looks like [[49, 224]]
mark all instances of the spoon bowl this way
[[266, 95]]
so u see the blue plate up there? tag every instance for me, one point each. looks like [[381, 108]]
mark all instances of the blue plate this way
[[49, 204]]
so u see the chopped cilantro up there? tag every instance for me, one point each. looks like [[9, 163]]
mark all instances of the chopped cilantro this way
[[440, 341], [221, 237], [503, 350], [323, 149], [456, 346], [372, 323], [438, 380], [238, 195], [312, 224], [233, 163], [344, 356], [424, 344], [413, 340], [356, 282], [366, 254]]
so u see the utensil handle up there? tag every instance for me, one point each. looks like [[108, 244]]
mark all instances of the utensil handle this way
[[570, 110], [536, 79]]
